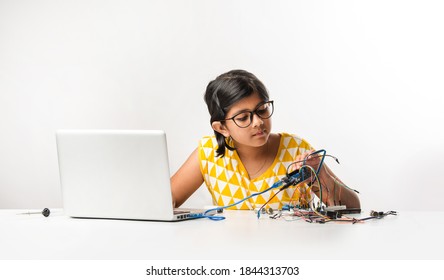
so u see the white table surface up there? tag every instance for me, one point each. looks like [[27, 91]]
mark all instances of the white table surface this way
[[410, 235]]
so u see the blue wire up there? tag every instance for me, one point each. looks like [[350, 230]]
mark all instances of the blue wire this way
[[201, 216]]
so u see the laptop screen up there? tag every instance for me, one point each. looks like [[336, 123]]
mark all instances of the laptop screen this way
[[122, 174]]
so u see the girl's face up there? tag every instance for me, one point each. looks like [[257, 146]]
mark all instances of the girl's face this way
[[257, 133]]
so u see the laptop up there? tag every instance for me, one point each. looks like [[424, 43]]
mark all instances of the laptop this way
[[116, 174]]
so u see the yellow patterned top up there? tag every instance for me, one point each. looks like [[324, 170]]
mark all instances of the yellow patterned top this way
[[228, 182]]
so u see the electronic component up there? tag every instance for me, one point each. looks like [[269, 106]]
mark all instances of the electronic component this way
[[349, 211], [295, 177], [380, 214], [335, 207], [333, 214]]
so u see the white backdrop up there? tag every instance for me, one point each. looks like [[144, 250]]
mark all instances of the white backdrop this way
[[361, 79]]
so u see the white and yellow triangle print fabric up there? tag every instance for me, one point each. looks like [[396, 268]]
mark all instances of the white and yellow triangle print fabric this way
[[228, 181]]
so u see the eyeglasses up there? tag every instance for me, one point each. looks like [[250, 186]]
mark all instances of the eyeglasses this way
[[244, 119]]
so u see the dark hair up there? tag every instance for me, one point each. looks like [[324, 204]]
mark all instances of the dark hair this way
[[224, 92]]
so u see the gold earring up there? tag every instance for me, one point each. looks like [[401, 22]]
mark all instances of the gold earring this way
[[229, 142]]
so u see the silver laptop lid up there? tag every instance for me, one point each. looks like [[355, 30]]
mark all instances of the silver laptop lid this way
[[122, 174]]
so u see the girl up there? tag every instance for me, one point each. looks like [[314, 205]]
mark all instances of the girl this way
[[244, 157]]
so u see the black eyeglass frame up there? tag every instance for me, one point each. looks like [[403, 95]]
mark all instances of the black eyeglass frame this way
[[252, 113]]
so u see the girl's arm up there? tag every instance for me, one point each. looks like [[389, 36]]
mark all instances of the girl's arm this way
[[186, 180], [334, 191]]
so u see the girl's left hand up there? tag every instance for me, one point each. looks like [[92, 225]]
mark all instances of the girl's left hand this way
[[312, 161]]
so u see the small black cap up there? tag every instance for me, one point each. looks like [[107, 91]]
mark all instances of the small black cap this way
[[46, 212]]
